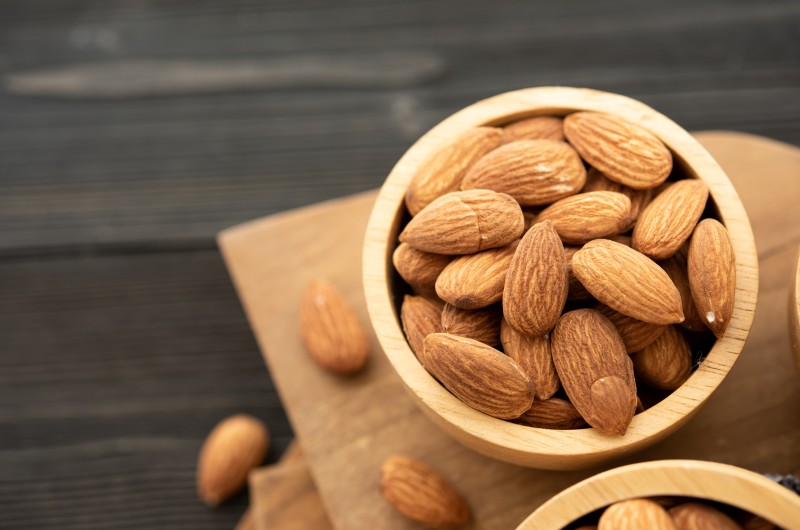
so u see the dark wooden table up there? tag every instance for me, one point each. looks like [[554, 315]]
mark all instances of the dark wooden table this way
[[122, 341]]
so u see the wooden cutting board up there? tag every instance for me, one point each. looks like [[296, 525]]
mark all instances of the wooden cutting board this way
[[347, 427]]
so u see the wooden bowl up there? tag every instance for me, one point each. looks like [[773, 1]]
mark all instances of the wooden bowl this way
[[710, 481], [794, 311], [527, 446]]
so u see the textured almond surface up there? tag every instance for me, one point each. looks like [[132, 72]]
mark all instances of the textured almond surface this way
[[576, 289], [588, 216], [628, 282], [330, 329], [422, 494], [536, 128], [636, 514], [666, 363], [534, 172], [475, 280], [234, 447], [635, 333], [419, 269], [697, 516], [553, 413], [623, 151], [536, 285], [533, 356], [465, 222], [445, 169], [595, 370], [712, 274], [669, 219], [596, 181], [677, 269], [480, 376], [420, 317], [481, 324]]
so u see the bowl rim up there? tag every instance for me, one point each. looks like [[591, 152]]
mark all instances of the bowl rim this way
[[544, 448], [712, 481]]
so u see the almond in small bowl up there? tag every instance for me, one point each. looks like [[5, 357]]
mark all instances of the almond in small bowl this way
[[595, 286]]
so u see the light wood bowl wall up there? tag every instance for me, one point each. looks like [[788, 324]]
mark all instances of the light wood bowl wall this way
[[794, 311]]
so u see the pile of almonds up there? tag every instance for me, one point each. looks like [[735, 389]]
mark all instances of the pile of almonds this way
[[561, 253]]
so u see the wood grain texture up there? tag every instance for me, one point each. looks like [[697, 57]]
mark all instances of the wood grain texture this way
[[284, 497], [794, 312]]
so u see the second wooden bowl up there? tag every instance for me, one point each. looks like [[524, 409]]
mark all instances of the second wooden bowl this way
[[794, 311], [542, 448]]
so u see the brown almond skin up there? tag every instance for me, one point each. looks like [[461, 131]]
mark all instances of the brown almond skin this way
[[422, 494], [235, 446], [596, 181], [666, 363], [553, 413], [712, 275], [576, 290], [668, 221], [445, 169], [481, 324], [419, 269], [534, 357], [636, 335], [536, 128], [330, 329], [623, 151], [697, 516], [677, 270], [475, 280], [534, 172], [628, 282], [595, 370], [480, 376], [586, 216], [536, 285], [465, 222], [420, 317], [635, 514]]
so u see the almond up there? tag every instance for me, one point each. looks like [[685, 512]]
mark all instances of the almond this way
[[595, 370], [420, 317], [235, 446], [419, 269], [677, 270], [576, 289], [553, 413], [628, 282], [480, 376], [475, 280], [712, 275], [596, 181], [696, 516], [534, 172], [636, 335], [444, 170], [636, 514], [536, 128], [623, 151], [668, 221], [666, 363], [330, 329], [536, 285], [422, 494], [481, 324], [532, 354], [465, 222], [588, 216]]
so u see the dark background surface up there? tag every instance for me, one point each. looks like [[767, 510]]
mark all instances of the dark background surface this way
[[122, 341]]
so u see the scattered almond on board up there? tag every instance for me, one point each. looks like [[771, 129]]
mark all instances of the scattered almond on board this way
[[561, 269]]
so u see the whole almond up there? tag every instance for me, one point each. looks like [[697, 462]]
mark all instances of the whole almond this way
[[668, 221], [576, 289], [623, 151], [628, 282], [553, 413], [475, 280], [235, 446], [420, 317], [697, 516], [481, 324], [677, 269], [712, 274], [533, 356], [422, 494], [330, 329], [445, 169], [636, 335], [636, 514], [534, 172], [595, 370], [465, 222], [596, 181], [536, 285], [588, 216], [480, 376], [536, 128], [666, 363], [419, 269]]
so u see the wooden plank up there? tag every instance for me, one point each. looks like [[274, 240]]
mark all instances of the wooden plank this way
[[284, 497]]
